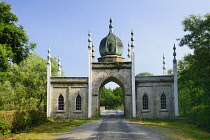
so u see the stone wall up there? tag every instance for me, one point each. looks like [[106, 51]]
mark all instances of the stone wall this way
[[154, 87], [69, 88]]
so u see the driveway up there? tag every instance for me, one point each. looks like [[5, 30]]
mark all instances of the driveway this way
[[112, 126]]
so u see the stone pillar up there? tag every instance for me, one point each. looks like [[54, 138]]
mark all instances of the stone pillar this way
[[176, 108], [48, 85], [133, 76], [89, 77]]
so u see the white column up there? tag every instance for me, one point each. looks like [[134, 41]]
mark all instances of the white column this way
[[89, 77], [175, 84], [133, 77], [48, 85]]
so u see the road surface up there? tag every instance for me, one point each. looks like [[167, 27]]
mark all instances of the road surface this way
[[112, 126]]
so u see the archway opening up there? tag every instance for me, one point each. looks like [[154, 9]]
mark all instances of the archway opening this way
[[111, 97]]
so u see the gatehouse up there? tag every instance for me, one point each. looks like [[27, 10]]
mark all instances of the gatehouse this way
[[144, 96]]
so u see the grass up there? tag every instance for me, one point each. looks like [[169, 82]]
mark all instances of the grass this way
[[178, 129], [48, 130]]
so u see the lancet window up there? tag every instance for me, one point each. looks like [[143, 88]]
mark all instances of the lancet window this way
[[163, 101], [145, 102], [78, 102], [61, 102]]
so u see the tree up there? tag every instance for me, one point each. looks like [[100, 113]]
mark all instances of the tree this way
[[111, 99], [198, 39], [28, 83], [14, 43], [144, 74], [194, 70]]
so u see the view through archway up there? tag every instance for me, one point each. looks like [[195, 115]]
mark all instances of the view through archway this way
[[111, 97]]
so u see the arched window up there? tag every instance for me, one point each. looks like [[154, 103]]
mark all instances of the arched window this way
[[145, 102], [60, 102], [163, 101], [78, 102]]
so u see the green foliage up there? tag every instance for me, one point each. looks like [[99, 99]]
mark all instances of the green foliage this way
[[26, 88], [200, 116], [145, 74], [17, 46], [15, 121], [194, 71], [111, 99]]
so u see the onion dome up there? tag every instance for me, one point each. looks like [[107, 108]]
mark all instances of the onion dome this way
[[111, 44]]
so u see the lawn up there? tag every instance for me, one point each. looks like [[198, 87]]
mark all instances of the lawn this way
[[178, 129], [48, 130]]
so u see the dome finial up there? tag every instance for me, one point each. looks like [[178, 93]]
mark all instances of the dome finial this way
[[110, 26]]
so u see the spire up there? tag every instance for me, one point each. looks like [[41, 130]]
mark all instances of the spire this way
[[89, 39], [48, 56], [93, 56], [164, 66], [174, 54], [129, 56], [132, 39], [59, 67], [110, 26]]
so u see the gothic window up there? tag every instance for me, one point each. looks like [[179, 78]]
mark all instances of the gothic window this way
[[163, 101], [145, 102], [78, 102], [60, 102]]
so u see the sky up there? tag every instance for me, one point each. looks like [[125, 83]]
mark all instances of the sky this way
[[63, 25]]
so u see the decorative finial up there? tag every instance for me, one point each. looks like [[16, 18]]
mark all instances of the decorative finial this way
[[132, 39], [93, 56], [89, 39], [174, 54], [110, 26], [164, 67], [48, 56], [59, 67], [129, 56]]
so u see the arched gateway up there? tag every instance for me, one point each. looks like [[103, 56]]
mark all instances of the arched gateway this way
[[81, 95]]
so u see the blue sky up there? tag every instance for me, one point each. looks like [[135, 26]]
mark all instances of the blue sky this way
[[63, 26]]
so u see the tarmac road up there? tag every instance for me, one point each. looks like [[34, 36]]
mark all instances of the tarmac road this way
[[112, 126]]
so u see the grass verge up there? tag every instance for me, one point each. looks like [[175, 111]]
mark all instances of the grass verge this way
[[177, 129], [48, 130]]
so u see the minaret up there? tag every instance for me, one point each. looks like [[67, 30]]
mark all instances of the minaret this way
[[133, 76], [175, 83], [48, 84], [90, 56], [129, 56], [164, 65], [59, 67]]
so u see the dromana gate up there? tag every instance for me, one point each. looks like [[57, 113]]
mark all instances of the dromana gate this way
[[78, 97]]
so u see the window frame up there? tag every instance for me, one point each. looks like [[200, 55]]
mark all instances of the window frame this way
[[145, 102], [78, 103], [163, 102], [60, 102]]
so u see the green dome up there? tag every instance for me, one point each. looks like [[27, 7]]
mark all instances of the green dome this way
[[111, 44]]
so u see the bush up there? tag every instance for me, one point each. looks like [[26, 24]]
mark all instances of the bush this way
[[200, 116], [15, 121]]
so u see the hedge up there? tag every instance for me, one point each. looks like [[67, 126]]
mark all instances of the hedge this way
[[14, 121], [200, 116]]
